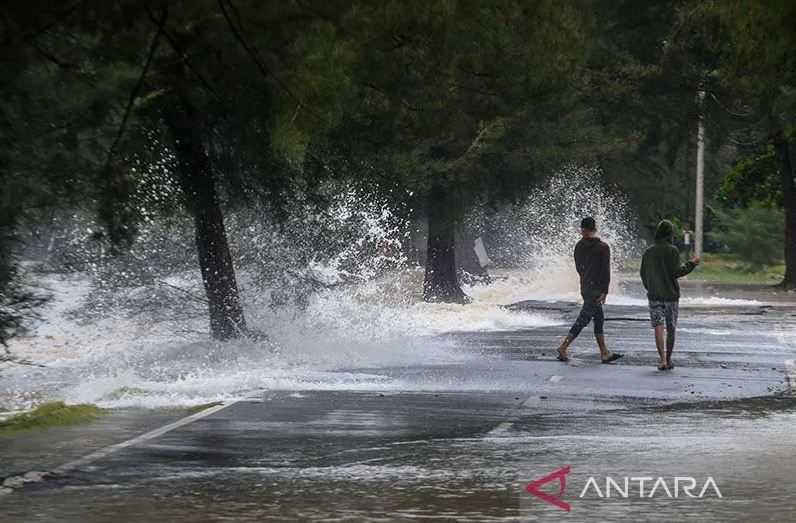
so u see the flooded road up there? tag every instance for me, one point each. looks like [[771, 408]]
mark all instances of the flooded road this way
[[456, 435], [365, 457]]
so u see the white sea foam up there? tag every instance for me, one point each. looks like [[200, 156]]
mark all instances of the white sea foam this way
[[120, 361], [123, 360]]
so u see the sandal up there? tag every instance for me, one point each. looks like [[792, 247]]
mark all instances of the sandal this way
[[561, 357], [613, 357]]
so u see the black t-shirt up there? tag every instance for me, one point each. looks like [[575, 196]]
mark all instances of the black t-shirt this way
[[593, 262]]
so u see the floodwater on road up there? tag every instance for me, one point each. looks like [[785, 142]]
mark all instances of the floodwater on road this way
[[461, 467]]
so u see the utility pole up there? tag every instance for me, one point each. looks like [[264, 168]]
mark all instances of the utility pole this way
[[700, 175]]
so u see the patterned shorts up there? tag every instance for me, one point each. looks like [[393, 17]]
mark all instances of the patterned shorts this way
[[664, 313]]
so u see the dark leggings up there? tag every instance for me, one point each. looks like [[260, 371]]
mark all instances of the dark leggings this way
[[590, 311]]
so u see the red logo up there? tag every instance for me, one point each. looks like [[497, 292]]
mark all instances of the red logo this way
[[561, 476]]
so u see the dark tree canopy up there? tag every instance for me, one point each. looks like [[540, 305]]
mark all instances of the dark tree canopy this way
[[230, 102]]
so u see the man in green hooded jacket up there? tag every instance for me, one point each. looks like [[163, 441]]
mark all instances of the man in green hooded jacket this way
[[660, 268]]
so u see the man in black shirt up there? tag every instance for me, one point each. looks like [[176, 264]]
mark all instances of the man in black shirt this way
[[593, 262]]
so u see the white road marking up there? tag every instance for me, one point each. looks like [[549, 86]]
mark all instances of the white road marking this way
[[152, 434], [15, 482], [505, 426], [501, 428]]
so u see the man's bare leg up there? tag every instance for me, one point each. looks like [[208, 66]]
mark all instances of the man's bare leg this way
[[606, 356], [604, 352], [669, 347], [660, 343], [562, 349]]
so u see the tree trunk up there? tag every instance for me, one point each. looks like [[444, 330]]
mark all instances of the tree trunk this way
[[199, 189], [782, 148], [441, 282]]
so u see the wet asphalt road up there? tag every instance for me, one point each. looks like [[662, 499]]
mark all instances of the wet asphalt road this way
[[460, 442]]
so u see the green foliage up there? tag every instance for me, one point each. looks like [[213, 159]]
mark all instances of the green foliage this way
[[648, 59], [755, 234], [478, 97], [751, 180], [52, 414], [318, 83], [757, 72], [677, 227], [758, 52], [485, 98]]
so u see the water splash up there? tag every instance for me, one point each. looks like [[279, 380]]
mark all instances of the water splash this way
[[330, 286], [538, 234]]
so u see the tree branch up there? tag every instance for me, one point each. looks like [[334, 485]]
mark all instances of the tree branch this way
[[730, 112], [478, 74], [184, 57], [252, 52], [137, 88], [51, 57], [476, 90]]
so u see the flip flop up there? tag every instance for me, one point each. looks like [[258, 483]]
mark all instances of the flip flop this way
[[669, 366], [613, 357], [561, 357]]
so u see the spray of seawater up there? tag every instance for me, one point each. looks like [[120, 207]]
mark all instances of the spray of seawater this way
[[330, 287], [535, 237]]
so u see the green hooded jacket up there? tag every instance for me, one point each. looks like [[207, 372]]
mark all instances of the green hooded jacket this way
[[660, 266]]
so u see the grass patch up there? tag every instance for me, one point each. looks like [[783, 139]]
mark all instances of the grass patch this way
[[52, 414], [725, 268], [203, 406]]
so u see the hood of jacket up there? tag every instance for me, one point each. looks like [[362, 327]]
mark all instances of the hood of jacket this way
[[664, 231]]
